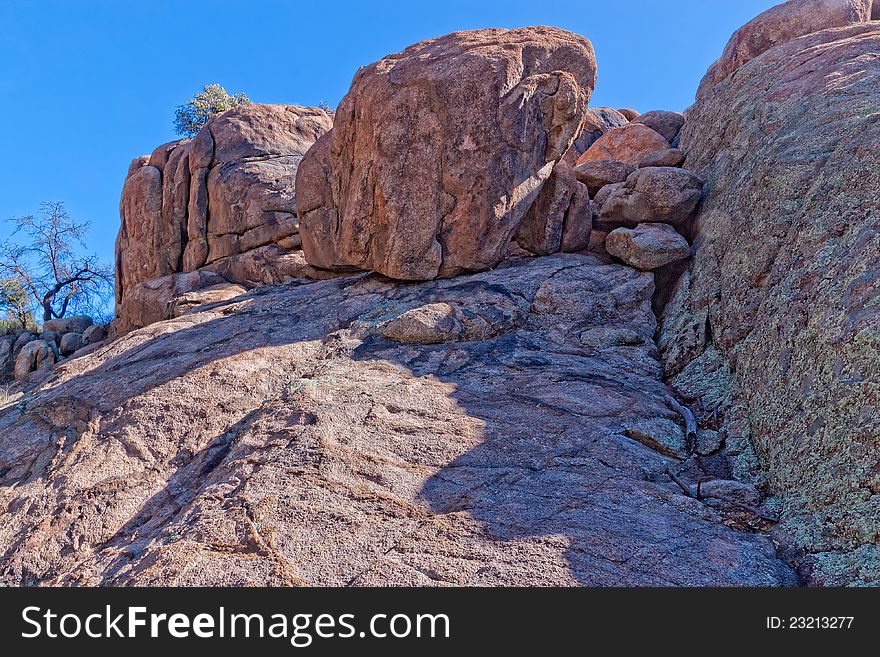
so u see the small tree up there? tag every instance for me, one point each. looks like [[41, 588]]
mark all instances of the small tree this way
[[47, 266], [15, 301], [192, 116]]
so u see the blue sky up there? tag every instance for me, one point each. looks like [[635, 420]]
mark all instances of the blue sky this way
[[85, 86]]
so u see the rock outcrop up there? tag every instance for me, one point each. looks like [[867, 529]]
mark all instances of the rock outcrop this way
[[775, 327], [783, 23], [597, 122], [438, 152], [361, 432], [223, 202]]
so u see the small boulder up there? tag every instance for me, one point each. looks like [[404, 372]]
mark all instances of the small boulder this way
[[630, 114], [652, 194], [595, 174], [76, 324], [660, 434], [781, 23], [730, 490], [70, 343], [597, 122], [561, 218], [21, 341], [210, 295], [630, 143], [604, 338], [647, 246], [668, 124], [708, 442], [52, 337], [35, 355], [438, 152], [671, 157], [95, 333], [429, 324]]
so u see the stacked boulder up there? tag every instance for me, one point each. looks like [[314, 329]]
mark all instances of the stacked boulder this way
[[25, 353], [220, 205], [643, 200]]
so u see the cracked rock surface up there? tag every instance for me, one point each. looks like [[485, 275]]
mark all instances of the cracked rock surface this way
[[358, 431]]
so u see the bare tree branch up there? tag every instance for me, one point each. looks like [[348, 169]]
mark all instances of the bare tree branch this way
[[45, 262]]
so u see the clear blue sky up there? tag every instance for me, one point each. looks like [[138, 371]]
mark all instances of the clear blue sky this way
[[87, 85]]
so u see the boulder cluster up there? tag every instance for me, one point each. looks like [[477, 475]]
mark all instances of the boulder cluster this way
[[25, 352], [642, 199], [449, 157]]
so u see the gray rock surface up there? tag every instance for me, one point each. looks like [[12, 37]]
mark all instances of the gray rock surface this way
[[361, 432]]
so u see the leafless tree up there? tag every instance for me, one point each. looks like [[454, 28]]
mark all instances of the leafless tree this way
[[48, 264]]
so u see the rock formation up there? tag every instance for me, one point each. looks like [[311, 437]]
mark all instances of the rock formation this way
[[783, 23], [222, 202], [438, 152], [775, 327], [508, 411]]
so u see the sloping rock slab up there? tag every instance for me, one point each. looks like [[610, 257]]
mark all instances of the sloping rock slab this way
[[280, 439]]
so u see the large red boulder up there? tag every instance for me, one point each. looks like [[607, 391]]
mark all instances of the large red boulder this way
[[438, 152]]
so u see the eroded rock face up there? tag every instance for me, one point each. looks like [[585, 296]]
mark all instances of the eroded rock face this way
[[75, 324], [94, 334], [438, 152], [219, 201], [777, 324], [780, 24], [361, 432]]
